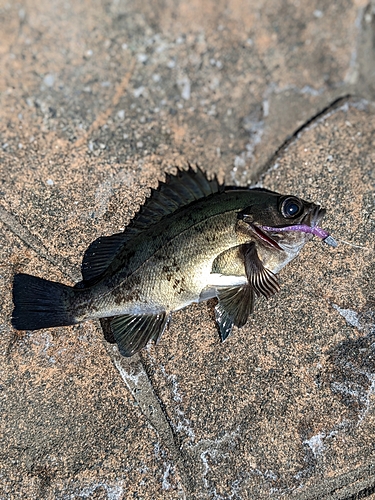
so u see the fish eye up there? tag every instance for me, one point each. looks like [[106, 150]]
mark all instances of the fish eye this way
[[290, 207]]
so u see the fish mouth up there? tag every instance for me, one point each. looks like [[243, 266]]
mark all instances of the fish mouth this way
[[309, 224]]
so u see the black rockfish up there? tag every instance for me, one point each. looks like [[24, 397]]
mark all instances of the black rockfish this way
[[193, 239]]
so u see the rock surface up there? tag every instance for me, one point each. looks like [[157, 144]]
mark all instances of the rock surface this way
[[98, 100]]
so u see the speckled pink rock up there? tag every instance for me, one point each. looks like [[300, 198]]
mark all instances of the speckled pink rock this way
[[99, 100]]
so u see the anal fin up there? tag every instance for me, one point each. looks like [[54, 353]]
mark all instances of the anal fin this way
[[133, 332], [105, 323]]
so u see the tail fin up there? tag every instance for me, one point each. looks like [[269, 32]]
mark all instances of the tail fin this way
[[39, 303]]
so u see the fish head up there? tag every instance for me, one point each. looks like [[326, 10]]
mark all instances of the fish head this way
[[283, 222]]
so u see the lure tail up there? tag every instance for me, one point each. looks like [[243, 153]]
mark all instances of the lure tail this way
[[39, 303]]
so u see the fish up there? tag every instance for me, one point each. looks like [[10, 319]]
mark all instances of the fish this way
[[192, 240]]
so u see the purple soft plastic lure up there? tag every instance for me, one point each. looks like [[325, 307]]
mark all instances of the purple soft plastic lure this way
[[303, 228]]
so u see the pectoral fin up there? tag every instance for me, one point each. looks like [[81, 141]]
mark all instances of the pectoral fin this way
[[260, 278], [133, 332], [235, 305]]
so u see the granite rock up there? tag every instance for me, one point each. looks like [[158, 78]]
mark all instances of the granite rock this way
[[98, 100]]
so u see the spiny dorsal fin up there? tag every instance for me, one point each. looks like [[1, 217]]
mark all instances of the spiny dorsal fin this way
[[176, 192]]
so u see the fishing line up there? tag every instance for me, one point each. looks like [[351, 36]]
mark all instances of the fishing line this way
[[352, 244]]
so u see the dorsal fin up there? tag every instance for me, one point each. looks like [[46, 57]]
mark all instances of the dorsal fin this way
[[176, 192], [98, 257]]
